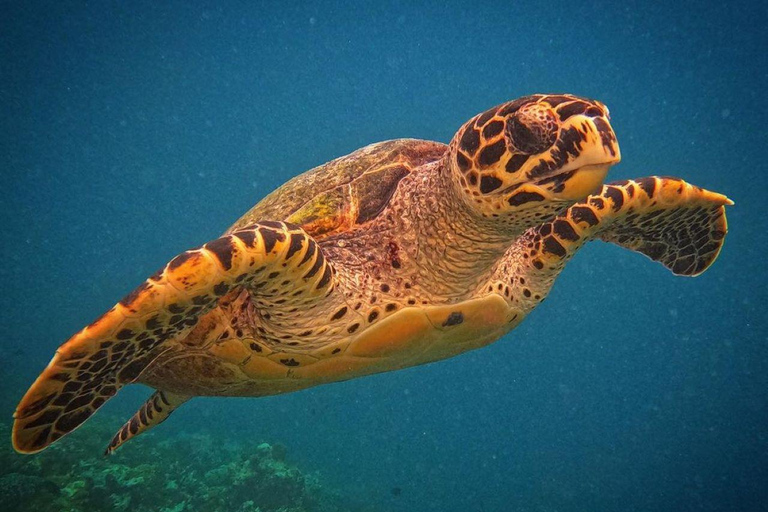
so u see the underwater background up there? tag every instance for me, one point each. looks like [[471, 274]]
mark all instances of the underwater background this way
[[131, 131]]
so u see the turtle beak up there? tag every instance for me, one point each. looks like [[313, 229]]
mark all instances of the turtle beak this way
[[584, 181], [587, 172]]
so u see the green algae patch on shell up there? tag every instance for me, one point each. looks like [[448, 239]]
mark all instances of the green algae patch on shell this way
[[348, 190]]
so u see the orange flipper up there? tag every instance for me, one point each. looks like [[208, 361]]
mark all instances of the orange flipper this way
[[96, 362], [681, 226]]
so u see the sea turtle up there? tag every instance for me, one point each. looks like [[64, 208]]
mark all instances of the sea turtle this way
[[402, 253]]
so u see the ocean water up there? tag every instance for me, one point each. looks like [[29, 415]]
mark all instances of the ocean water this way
[[131, 131]]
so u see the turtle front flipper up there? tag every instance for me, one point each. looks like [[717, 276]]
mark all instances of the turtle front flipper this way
[[155, 410], [677, 224], [269, 258]]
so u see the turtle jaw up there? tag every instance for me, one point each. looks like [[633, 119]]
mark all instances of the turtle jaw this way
[[584, 175], [580, 182]]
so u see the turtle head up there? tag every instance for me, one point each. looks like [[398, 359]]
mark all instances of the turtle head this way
[[525, 160]]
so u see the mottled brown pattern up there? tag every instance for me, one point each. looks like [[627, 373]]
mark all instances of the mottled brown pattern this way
[[113, 351], [401, 253]]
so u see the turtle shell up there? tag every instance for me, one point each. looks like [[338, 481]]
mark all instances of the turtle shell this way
[[344, 192]]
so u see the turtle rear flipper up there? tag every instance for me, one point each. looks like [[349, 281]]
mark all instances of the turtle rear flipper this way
[[155, 410], [269, 257], [677, 224]]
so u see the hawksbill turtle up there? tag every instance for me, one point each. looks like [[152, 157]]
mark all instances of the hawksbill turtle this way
[[402, 253]]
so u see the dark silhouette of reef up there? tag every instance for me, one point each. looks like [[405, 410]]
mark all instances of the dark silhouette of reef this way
[[170, 474]]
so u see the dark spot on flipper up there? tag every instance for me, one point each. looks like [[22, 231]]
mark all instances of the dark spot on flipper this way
[[584, 214], [683, 265], [78, 402], [295, 245], [564, 230], [47, 418], [36, 406], [654, 251], [326, 277], [290, 362], [311, 249], [132, 370], [124, 334], [318, 263], [455, 318], [554, 247], [248, 236], [173, 308], [270, 238], [71, 387], [597, 202], [41, 439], [616, 196], [151, 324], [220, 289], [180, 259], [648, 185], [352, 328], [223, 249], [71, 421], [336, 351]]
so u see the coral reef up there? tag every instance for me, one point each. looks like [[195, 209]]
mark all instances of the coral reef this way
[[178, 474]]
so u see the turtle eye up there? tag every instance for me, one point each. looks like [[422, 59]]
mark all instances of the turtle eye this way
[[531, 130]]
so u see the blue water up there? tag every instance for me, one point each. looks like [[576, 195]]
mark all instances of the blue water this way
[[131, 131]]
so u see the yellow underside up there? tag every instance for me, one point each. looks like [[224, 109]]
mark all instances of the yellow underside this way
[[410, 337]]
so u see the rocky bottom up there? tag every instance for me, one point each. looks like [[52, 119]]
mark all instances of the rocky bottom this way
[[170, 474]]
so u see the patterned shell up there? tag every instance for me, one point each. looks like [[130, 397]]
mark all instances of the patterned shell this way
[[344, 192]]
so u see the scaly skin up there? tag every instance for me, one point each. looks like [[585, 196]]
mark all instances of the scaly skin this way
[[402, 253]]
